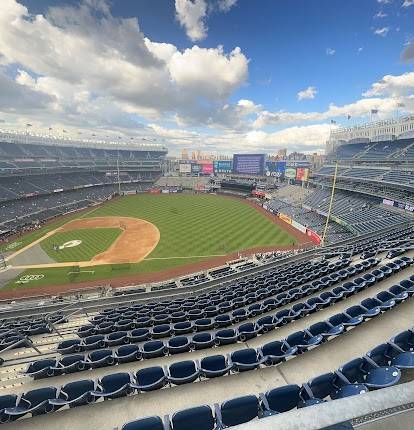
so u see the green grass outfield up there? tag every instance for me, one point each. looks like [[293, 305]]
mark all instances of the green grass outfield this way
[[192, 226], [94, 241]]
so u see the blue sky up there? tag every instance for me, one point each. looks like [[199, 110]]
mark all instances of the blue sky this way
[[295, 58]]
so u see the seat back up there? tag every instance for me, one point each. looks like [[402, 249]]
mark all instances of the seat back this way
[[245, 356], [352, 370], [149, 375], [35, 397], [283, 399], [149, 423], [7, 401], [213, 362], [322, 385], [182, 369], [114, 381], [78, 388], [200, 418], [239, 410]]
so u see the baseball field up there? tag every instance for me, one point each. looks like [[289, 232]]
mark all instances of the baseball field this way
[[141, 235]]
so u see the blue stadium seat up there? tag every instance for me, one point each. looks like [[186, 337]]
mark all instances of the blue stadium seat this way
[[154, 348], [70, 364], [100, 358], [128, 353], [35, 402], [74, 394], [148, 423], [226, 336], [200, 418], [245, 359], [179, 344], [237, 411], [69, 346], [303, 341], [150, 378], [6, 402], [275, 352], [40, 369], [279, 400], [214, 366], [113, 386], [203, 341], [183, 372]]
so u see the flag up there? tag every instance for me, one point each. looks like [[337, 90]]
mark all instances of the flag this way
[[333, 121], [349, 117], [374, 111]]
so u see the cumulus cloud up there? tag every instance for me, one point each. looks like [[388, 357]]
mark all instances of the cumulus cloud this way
[[383, 31], [191, 15], [384, 1], [330, 51], [392, 85], [308, 93], [115, 64], [408, 3]]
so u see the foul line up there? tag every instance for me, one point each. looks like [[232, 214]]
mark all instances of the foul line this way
[[190, 256]]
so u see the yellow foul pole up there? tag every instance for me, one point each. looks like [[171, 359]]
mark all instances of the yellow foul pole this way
[[330, 204]]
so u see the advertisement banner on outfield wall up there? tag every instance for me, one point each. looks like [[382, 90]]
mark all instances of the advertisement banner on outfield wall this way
[[195, 168], [285, 218], [399, 205], [298, 226], [302, 174], [185, 168], [290, 173], [313, 236], [223, 166], [207, 168]]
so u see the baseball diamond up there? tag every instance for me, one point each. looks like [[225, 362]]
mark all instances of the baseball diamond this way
[[144, 234]]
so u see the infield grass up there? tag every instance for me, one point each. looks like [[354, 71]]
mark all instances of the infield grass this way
[[193, 226], [94, 241]]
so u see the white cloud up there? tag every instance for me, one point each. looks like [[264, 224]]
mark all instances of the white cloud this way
[[380, 15], [309, 93], [191, 15], [226, 5], [392, 86], [408, 3], [330, 51], [360, 49], [384, 1], [383, 31], [115, 64]]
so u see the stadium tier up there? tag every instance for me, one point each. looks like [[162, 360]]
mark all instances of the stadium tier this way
[[41, 178], [309, 330]]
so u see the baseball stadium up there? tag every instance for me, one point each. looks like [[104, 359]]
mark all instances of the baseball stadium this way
[[206, 215]]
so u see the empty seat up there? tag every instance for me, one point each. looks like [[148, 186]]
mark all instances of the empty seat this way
[[237, 411], [149, 379], [101, 358], [74, 394], [303, 340], [200, 418], [148, 423], [113, 386], [203, 340], [281, 399], [128, 353], [245, 359], [40, 368], [276, 352], [69, 346], [179, 344], [183, 372], [214, 366], [70, 364], [153, 348], [226, 336], [35, 402]]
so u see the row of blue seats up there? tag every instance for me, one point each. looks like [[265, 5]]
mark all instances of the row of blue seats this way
[[224, 320], [214, 304], [379, 368], [268, 278], [297, 342]]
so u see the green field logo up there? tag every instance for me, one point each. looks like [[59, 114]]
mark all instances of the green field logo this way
[[70, 244]]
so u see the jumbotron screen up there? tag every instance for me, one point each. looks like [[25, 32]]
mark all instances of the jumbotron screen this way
[[249, 164]]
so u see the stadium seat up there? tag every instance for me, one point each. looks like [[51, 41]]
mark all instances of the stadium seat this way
[[94, 342], [40, 369], [35, 402], [179, 344], [154, 348], [275, 352], [139, 335], [183, 328], [117, 338], [226, 337], [100, 358], [74, 394], [148, 423], [6, 402], [113, 386], [279, 400], [200, 418], [222, 321], [303, 341], [203, 341], [128, 353], [183, 372], [247, 331], [237, 411], [214, 366], [70, 364], [150, 378], [325, 329], [69, 346], [245, 359], [160, 331]]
